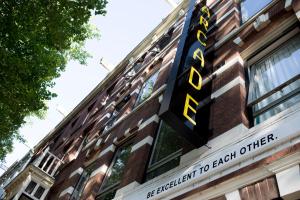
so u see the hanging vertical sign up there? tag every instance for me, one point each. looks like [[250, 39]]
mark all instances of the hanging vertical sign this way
[[184, 92]]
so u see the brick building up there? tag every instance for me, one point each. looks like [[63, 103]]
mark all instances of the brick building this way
[[116, 145]]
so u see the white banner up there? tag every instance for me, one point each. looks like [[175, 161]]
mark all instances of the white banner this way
[[251, 146]]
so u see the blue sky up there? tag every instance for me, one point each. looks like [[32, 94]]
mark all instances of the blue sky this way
[[124, 26]]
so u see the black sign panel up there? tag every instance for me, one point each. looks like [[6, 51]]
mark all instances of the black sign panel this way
[[186, 92]]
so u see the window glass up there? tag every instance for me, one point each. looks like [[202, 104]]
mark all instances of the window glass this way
[[164, 145], [107, 196], [113, 118], [250, 7], [30, 187], [39, 192], [80, 185], [167, 151], [25, 197], [274, 85], [115, 173], [147, 88]]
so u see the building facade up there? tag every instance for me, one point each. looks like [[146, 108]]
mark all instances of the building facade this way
[[239, 101]]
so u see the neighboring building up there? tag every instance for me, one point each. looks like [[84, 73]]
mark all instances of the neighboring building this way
[[245, 115]]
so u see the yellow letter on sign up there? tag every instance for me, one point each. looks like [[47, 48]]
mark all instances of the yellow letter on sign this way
[[199, 54], [206, 10], [188, 107], [199, 33], [199, 84], [203, 22]]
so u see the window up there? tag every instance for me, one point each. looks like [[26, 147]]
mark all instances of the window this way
[[113, 118], [147, 89], [114, 174], [167, 151], [137, 66], [38, 194], [250, 7], [80, 186], [30, 187], [274, 81], [33, 191], [111, 88], [122, 103], [166, 39]]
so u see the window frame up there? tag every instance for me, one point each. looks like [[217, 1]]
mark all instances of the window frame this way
[[153, 166], [259, 55], [38, 184], [256, 14], [105, 190], [137, 103]]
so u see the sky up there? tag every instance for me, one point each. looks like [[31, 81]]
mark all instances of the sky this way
[[124, 26]]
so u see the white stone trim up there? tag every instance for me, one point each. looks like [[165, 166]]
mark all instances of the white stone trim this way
[[111, 148], [136, 91], [192, 155], [146, 140], [100, 170], [107, 115], [88, 144], [229, 64], [69, 190], [115, 141], [160, 98], [113, 103], [126, 133], [288, 4], [166, 65], [237, 81], [289, 182], [238, 41], [77, 171], [285, 129], [235, 195], [223, 17], [126, 188], [261, 22], [298, 15], [220, 9], [99, 141], [227, 14], [154, 118], [235, 134]]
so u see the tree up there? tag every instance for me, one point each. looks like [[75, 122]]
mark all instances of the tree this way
[[37, 38]]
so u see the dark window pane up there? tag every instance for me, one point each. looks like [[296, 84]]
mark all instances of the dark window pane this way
[[122, 103], [251, 7], [164, 168], [168, 142], [25, 197], [80, 186], [167, 151], [107, 196], [39, 192], [30, 187], [115, 173]]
